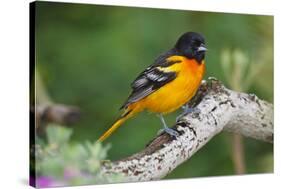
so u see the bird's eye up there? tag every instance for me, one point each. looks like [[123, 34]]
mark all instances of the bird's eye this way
[[197, 43]]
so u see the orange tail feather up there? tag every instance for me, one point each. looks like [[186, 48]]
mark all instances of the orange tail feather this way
[[126, 115]]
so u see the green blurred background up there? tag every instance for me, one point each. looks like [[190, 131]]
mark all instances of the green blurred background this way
[[87, 56]]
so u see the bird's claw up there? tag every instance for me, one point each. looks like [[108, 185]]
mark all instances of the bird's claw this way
[[212, 79], [188, 111], [169, 131]]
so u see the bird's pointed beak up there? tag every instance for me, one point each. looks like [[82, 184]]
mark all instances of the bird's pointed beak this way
[[201, 48]]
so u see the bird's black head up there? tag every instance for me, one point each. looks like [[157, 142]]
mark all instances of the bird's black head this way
[[192, 46]]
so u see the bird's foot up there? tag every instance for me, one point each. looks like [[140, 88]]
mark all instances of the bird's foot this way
[[169, 131], [188, 111]]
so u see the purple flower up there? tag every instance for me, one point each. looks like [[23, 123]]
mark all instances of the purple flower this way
[[44, 182]]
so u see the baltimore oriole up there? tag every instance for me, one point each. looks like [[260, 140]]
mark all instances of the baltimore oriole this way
[[169, 83]]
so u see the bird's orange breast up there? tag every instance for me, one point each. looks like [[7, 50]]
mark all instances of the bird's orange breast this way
[[179, 91]]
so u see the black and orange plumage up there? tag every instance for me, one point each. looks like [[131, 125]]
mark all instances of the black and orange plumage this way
[[169, 83]]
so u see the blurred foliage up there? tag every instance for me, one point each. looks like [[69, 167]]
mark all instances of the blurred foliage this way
[[62, 163], [88, 55]]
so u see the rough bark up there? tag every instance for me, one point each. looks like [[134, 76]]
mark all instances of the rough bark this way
[[221, 109]]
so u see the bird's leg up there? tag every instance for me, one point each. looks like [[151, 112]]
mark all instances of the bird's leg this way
[[187, 110], [166, 129]]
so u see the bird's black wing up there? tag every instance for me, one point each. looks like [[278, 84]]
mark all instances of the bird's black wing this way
[[150, 80]]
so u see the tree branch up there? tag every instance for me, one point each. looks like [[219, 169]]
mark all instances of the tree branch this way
[[64, 115], [221, 109]]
